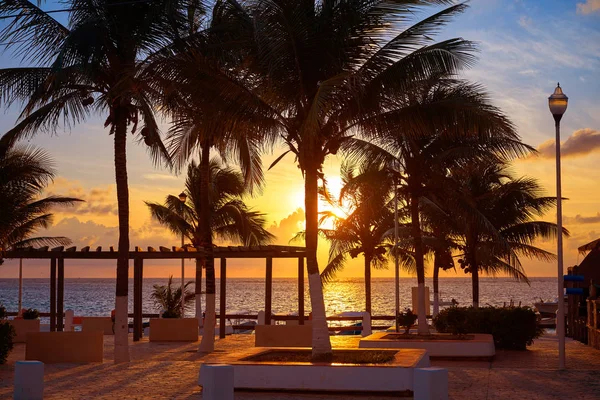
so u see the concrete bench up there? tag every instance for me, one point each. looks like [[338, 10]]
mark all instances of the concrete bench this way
[[283, 336], [102, 324], [174, 329], [29, 380], [65, 347]]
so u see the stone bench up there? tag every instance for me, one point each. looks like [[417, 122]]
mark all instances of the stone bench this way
[[102, 324], [65, 347], [22, 327], [283, 336]]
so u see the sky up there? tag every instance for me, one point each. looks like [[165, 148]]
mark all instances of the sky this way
[[525, 48]]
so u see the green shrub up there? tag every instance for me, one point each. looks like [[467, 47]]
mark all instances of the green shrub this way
[[31, 313], [512, 327], [3, 313], [406, 319], [7, 334]]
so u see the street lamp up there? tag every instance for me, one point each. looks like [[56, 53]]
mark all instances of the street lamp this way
[[558, 105], [182, 199]]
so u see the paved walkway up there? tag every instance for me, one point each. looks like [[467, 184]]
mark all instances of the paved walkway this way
[[169, 371]]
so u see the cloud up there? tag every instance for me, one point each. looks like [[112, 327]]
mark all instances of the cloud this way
[[525, 21], [160, 177], [589, 7], [579, 219], [97, 201], [581, 143], [288, 227]]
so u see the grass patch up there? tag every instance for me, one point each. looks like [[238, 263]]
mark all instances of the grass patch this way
[[404, 336], [338, 357]]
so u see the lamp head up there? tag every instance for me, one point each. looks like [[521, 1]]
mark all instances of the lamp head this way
[[182, 197], [558, 102]]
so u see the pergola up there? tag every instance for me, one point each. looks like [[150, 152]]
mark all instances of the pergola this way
[[58, 255]]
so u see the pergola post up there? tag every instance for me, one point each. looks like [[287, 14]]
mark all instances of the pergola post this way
[[268, 290], [223, 297], [138, 268], [301, 291], [52, 294], [61, 294]]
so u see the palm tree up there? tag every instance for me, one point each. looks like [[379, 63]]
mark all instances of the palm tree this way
[[319, 73], [497, 216], [230, 218], [366, 228], [92, 65], [169, 301], [24, 174]]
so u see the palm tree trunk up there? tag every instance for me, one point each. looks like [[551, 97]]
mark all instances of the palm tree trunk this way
[[436, 283], [321, 346], [423, 328], [207, 344], [368, 283], [121, 304], [472, 265], [198, 291]]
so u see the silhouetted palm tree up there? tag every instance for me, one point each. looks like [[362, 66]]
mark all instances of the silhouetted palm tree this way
[[92, 65], [496, 214], [25, 173], [169, 301], [230, 218]]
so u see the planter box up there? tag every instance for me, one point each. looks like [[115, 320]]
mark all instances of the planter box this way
[[283, 336], [65, 347], [174, 329], [102, 324], [478, 346], [23, 327], [393, 377]]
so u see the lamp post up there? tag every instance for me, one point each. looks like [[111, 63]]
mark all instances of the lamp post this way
[[182, 198], [397, 265], [558, 105]]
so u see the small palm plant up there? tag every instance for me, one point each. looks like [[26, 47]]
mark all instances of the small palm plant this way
[[168, 300]]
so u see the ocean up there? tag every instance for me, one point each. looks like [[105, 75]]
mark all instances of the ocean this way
[[95, 297]]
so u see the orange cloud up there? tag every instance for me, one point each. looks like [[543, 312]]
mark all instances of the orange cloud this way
[[582, 142], [288, 227], [589, 7], [579, 219]]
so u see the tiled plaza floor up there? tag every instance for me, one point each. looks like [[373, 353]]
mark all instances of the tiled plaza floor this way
[[170, 371]]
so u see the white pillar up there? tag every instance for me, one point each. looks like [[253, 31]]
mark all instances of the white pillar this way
[[261, 317], [216, 382], [69, 314], [366, 324], [29, 380], [430, 383]]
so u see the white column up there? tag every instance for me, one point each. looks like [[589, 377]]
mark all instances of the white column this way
[[216, 382], [29, 380]]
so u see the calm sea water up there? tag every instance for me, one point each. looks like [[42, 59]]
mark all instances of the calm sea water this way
[[95, 297]]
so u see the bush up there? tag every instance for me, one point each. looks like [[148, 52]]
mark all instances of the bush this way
[[3, 313], [7, 334], [406, 319], [31, 313], [512, 327], [171, 314]]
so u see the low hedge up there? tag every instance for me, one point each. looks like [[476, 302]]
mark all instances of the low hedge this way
[[512, 327], [7, 334]]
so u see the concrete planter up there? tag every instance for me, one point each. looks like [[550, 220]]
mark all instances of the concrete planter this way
[[65, 347], [477, 346], [395, 377], [283, 336], [174, 329], [24, 326], [102, 324]]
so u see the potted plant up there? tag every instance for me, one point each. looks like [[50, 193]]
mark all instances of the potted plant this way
[[173, 326], [406, 319], [30, 322], [7, 334]]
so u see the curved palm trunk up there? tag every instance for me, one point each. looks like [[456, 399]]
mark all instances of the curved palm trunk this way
[[121, 304], [423, 328], [321, 346], [208, 336], [198, 291], [472, 263], [368, 283], [436, 283]]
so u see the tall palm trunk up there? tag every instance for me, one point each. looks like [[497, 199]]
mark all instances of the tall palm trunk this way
[[198, 291], [436, 283], [121, 304], [472, 264], [368, 283], [208, 337], [321, 346], [423, 328]]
